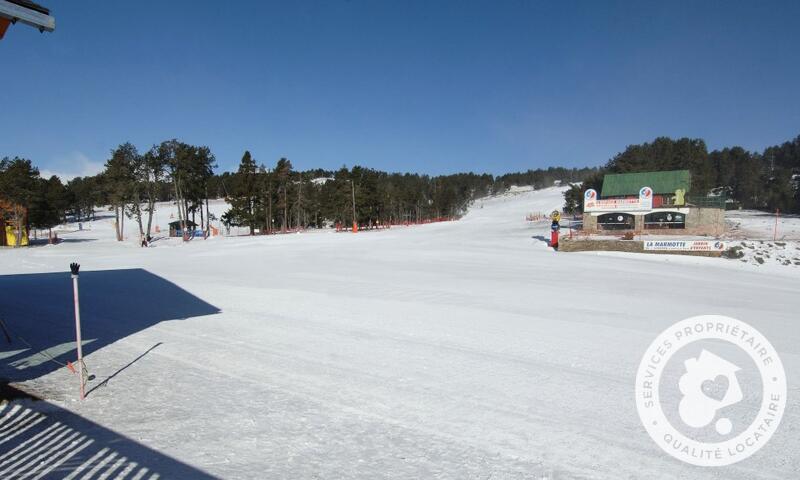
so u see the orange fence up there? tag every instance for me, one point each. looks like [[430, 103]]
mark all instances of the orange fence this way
[[537, 217], [381, 226]]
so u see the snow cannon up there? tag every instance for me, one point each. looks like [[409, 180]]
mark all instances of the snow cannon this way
[[554, 228], [554, 235]]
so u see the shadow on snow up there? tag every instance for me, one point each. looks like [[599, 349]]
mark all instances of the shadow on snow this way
[[43, 441], [37, 310]]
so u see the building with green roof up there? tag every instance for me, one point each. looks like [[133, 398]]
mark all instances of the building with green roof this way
[[662, 183], [655, 201]]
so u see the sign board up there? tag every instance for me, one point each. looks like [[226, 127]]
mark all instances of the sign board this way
[[685, 245], [593, 204]]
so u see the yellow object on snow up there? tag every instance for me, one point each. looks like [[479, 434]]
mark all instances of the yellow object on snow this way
[[11, 236]]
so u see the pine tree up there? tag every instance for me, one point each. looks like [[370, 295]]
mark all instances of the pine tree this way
[[244, 194], [120, 183], [49, 204], [283, 170]]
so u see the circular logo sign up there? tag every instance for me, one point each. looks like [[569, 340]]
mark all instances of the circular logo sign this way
[[590, 194], [645, 192], [711, 390]]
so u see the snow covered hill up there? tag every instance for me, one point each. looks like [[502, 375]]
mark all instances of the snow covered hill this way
[[463, 349]]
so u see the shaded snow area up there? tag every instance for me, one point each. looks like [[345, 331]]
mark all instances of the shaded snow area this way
[[455, 350]]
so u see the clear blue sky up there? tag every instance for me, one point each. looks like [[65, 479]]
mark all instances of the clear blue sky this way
[[429, 86]]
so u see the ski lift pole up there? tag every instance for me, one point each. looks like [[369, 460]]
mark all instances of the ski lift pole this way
[[355, 225], [777, 216], [74, 267]]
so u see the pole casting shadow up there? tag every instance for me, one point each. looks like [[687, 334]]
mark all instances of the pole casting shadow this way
[[41, 440], [105, 382], [37, 312]]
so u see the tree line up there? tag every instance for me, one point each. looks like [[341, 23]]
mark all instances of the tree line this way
[[263, 198], [766, 180], [279, 198], [130, 185], [25, 197], [276, 197]]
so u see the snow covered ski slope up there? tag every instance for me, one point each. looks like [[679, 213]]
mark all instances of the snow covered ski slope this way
[[455, 350]]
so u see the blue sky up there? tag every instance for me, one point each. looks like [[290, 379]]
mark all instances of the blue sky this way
[[431, 86]]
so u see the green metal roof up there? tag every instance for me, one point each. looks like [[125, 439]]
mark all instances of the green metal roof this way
[[620, 184]]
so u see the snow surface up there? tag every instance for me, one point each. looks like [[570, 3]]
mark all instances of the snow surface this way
[[456, 350], [764, 238], [756, 225]]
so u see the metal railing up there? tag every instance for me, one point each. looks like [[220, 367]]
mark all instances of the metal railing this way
[[706, 202]]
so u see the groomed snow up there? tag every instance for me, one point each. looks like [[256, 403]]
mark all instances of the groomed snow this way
[[456, 350]]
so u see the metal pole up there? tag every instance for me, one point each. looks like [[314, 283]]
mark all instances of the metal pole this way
[[74, 269], [355, 226], [775, 233]]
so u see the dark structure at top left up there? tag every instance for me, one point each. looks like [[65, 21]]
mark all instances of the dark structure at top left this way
[[26, 12]]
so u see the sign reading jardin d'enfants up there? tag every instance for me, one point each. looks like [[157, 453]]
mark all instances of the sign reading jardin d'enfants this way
[[593, 204], [685, 245]]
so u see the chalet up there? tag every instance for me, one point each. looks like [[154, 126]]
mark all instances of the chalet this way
[[654, 202]]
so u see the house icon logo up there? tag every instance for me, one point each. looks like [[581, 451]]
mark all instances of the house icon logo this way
[[703, 397], [710, 384]]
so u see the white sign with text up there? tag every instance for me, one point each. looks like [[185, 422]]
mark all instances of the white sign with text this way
[[685, 245], [591, 202]]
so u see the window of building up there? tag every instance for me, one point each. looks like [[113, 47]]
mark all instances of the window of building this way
[[661, 220], [615, 221]]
